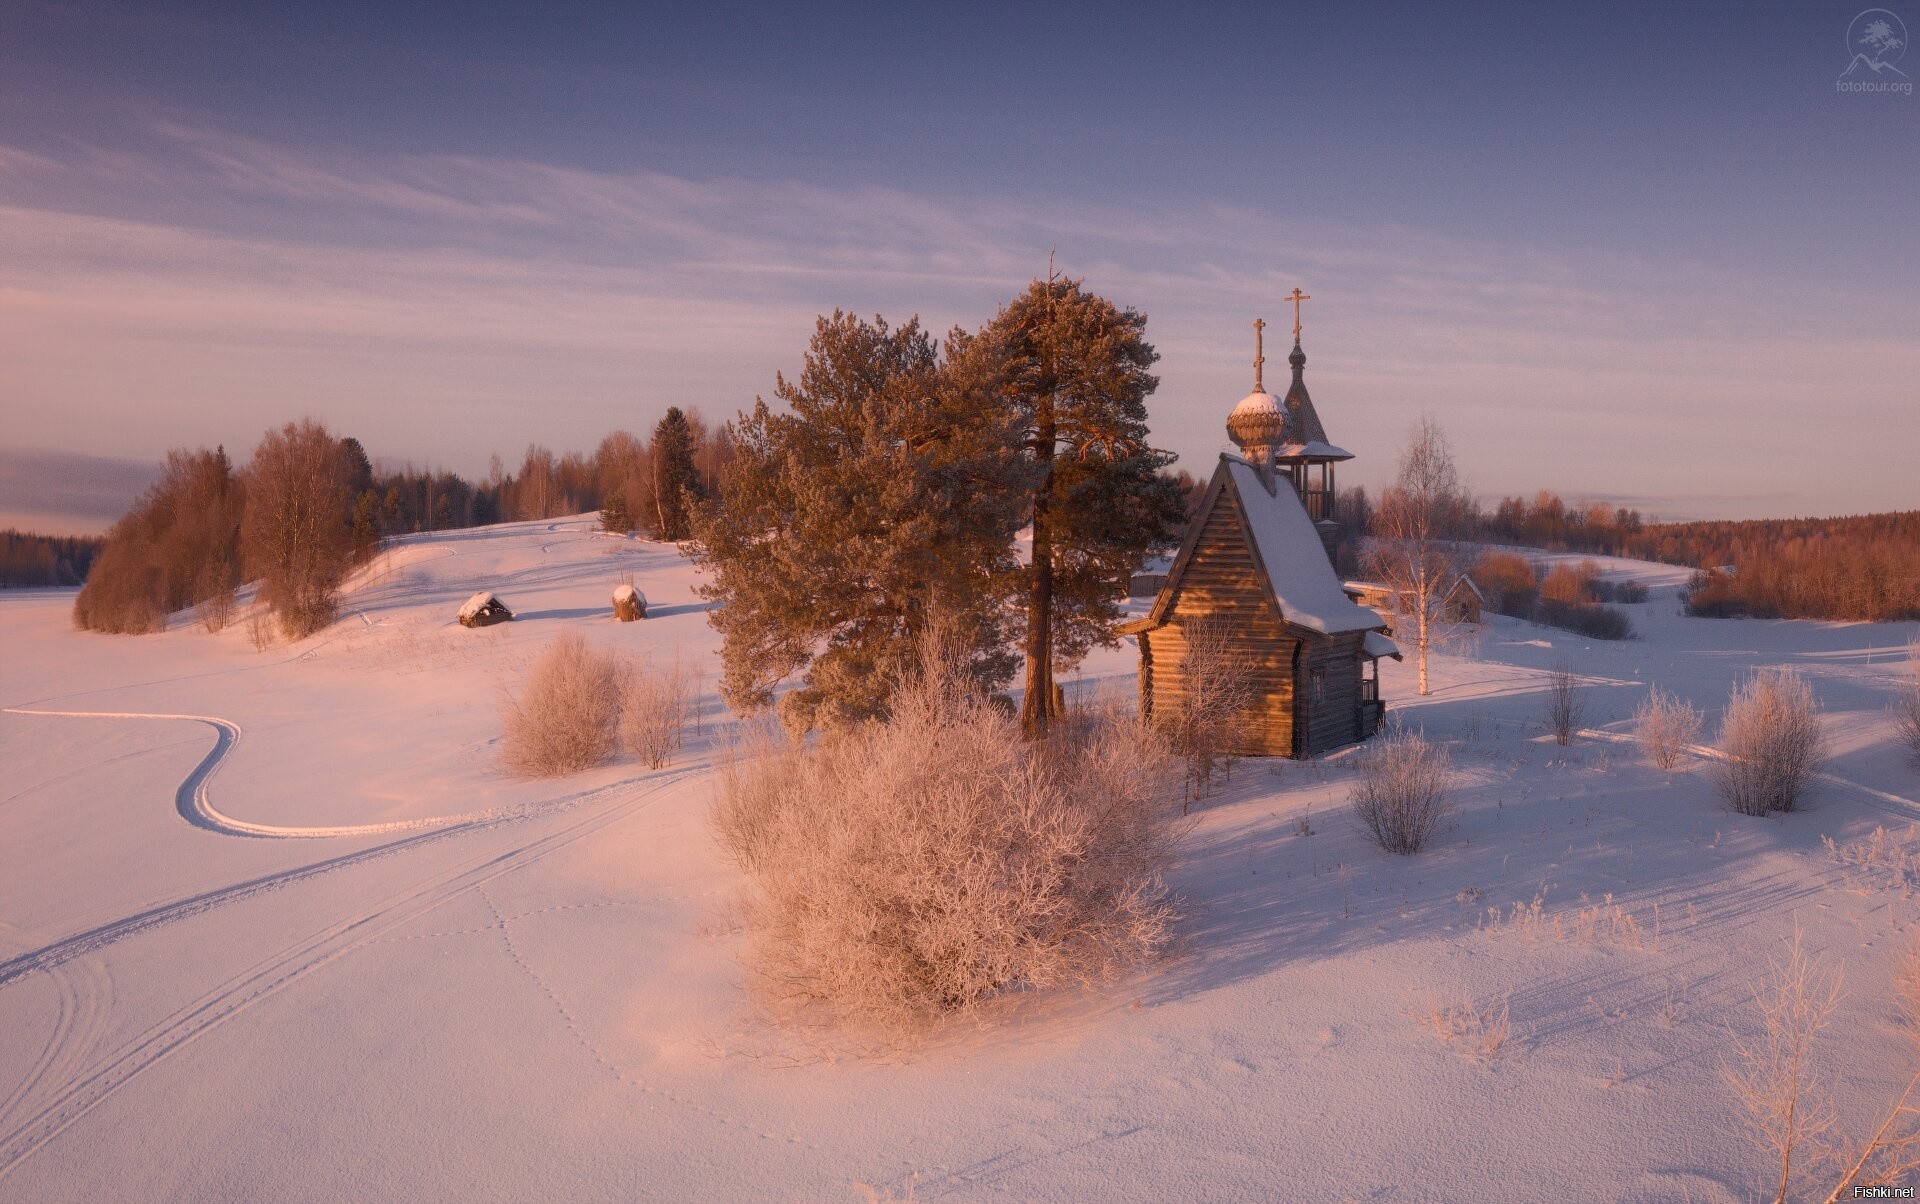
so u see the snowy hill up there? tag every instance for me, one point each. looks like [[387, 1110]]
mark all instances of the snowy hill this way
[[275, 926]]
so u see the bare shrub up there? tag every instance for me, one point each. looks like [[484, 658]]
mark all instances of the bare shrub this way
[[910, 870], [1666, 727], [1509, 584], [218, 596], [1906, 725], [1566, 704], [1788, 1115], [655, 707], [297, 535], [564, 720], [1772, 743], [1906, 985], [260, 630], [1218, 692], [1401, 799]]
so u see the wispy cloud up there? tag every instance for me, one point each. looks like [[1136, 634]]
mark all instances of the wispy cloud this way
[[449, 306]]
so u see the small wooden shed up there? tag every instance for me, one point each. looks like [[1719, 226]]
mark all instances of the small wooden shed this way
[[483, 610], [1255, 559]]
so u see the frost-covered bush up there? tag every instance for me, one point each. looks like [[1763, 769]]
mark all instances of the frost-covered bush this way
[[1401, 799], [1906, 711], [565, 717], [909, 870], [1666, 727], [655, 706], [1772, 743]]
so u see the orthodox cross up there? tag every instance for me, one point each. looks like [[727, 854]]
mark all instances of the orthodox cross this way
[[1259, 357], [1296, 297]]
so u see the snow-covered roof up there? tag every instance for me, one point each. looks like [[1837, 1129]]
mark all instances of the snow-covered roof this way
[[474, 605], [1378, 645], [1318, 449], [1296, 564]]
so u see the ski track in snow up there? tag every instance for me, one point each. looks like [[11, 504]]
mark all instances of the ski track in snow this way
[[88, 1088], [194, 805]]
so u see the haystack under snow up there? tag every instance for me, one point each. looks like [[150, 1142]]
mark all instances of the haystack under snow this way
[[628, 604]]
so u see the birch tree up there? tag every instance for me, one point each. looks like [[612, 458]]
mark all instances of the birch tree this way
[[1412, 550]]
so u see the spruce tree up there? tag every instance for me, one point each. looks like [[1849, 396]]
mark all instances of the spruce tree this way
[[614, 516], [885, 503], [675, 479], [1072, 369]]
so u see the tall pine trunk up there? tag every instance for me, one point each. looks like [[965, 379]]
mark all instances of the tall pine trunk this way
[[1038, 706]]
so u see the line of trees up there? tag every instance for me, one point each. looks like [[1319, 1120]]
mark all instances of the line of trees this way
[[29, 559], [1861, 567], [890, 500], [309, 506]]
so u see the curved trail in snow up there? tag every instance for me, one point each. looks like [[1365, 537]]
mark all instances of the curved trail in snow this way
[[196, 807]]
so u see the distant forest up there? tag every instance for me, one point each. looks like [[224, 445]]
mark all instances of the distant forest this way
[[1858, 567], [29, 559]]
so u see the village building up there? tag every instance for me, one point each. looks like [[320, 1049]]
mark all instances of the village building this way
[[1257, 560], [1463, 603]]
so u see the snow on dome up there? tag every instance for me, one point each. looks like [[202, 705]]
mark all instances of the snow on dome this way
[[1257, 402], [625, 593], [474, 605]]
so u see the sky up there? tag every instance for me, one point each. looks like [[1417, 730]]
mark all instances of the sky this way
[[1642, 254]]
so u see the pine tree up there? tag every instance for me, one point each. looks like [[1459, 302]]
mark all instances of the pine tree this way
[[675, 480], [1073, 371], [614, 516], [886, 502]]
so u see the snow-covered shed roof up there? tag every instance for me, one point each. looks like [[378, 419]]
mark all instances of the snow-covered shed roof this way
[[474, 605]]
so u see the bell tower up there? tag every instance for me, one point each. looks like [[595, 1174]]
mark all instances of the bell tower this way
[[1305, 457]]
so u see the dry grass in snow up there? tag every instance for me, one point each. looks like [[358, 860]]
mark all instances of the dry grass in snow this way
[[1481, 1032], [1772, 742], [1666, 728], [1602, 923], [913, 870]]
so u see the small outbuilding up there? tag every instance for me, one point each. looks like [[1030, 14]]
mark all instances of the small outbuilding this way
[[483, 610], [1463, 602], [628, 603]]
